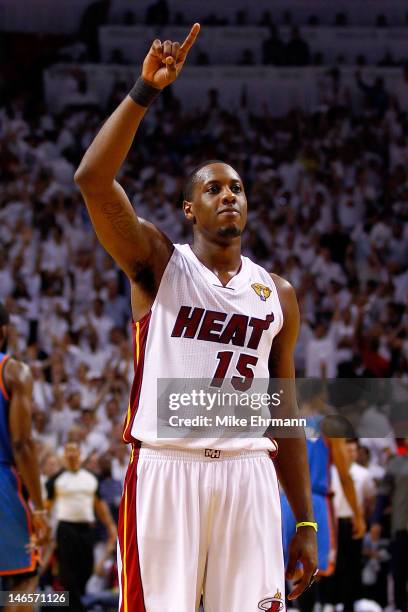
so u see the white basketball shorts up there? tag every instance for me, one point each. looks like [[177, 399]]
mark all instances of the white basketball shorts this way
[[200, 522]]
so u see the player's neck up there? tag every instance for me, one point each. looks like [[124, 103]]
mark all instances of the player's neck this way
[[222, 259]]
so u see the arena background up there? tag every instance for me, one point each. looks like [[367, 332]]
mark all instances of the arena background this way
[[308, 101]]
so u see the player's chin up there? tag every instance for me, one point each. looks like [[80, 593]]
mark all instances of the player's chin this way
[[229, 231]]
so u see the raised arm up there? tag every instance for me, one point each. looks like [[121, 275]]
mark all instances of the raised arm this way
[[137, 246], [291, 462]]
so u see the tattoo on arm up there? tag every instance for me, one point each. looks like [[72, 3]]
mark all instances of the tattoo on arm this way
[[121, 219]]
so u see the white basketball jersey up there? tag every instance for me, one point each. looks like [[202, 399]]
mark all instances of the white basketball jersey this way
[[197, 328]]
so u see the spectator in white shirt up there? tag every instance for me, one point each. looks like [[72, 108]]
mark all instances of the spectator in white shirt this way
[[116, 305], [93, 354], [85, 385], [342, 331], [63, 413], [94, 439], [53, 328], [98, 320], [109, 416], [83, 272], [120, 460], [54, 252], [398, 245], [41, 430], [320, 359], [325, 270], [363, 481], [42, 391], [6, 279], [348, 212]]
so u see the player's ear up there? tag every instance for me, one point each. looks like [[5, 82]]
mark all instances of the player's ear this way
[[188, 210]]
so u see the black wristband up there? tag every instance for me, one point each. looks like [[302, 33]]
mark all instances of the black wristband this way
[[142, 93]]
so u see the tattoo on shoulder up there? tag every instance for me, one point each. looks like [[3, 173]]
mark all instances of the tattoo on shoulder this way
[[122, 220]]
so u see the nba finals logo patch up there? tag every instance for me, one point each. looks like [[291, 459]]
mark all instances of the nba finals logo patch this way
[[263, 292], [273, 604]]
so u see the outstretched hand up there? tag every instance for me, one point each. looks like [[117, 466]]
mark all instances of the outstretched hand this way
[[164, 61], [303, 549]]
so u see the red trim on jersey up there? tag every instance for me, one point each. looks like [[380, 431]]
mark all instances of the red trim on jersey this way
[[139, 333], [274, 452], [2, 382], [132, 599]]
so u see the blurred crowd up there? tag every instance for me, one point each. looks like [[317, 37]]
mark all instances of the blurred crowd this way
[[162, 13], [280, 48], [328, 207]]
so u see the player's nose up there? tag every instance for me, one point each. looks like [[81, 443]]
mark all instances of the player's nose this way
[[228, 197]]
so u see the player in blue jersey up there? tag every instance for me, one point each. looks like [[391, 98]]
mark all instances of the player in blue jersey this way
[[23, 520], [324, 448]]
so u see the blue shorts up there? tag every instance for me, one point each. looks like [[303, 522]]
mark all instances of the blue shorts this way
[[15, 526], [325, 532]]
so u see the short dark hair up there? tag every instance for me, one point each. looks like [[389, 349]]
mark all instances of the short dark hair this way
[[193, 177], [4, 315]]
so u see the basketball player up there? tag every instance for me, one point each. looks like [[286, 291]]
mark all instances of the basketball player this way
[[21, 528], [324, 450], [198, 515]]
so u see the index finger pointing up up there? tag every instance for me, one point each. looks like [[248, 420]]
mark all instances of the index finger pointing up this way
[[190, 40]]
